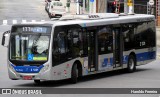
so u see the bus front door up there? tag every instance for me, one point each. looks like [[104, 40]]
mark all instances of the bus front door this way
[[92, 51], [118, 47]]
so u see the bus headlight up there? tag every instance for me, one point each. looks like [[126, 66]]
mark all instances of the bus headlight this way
[[11, 66]]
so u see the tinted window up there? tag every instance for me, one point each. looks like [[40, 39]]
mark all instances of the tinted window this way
[[67, 44], [128, 36], [145, 35], [105, 40]]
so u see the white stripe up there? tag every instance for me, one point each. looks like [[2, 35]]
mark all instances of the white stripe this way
[[33, 20], [5, 22], [42, 20], [24, 21], [14, 21]]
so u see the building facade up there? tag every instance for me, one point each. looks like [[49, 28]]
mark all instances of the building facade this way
[[158, 12], [140, 7], [103, 6]]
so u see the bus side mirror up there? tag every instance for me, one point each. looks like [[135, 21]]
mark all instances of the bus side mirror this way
[[5, 34]]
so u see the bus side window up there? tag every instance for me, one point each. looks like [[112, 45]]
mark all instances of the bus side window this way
[[84, 42], [59, 46], [105, 40], [128, 36], [75, 42]]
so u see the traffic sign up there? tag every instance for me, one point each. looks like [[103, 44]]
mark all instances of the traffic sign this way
[[91, 0], [151, 2]]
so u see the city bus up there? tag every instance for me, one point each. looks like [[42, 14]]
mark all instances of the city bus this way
[[79, 45]]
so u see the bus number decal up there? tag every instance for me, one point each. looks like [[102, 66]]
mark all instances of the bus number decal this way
[[142, 43]]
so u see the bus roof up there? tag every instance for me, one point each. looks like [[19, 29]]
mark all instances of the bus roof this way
[[99, 21]]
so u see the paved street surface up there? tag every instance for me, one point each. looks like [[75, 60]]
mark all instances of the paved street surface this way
[[158, 36], [12, 11]]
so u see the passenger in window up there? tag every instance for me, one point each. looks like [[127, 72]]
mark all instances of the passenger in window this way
[[61, 43]]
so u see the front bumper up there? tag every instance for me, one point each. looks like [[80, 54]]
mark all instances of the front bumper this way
[[57, 13], [41, 75]]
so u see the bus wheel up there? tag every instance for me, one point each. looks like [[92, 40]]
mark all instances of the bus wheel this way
[[74, 74], [37, 81], [131, 64]]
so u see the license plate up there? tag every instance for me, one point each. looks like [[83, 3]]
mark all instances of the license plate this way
[[27, 77]]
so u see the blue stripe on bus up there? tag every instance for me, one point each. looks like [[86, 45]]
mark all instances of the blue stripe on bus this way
[[146, 56], [107, 62], [27, 69], [141, 57]]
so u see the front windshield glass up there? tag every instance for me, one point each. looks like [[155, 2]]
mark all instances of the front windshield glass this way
[[29, 47]]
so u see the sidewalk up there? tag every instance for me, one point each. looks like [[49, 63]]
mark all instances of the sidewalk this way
[[158, 36]]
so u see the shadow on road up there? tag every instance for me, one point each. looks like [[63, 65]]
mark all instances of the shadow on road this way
[[80, 80]]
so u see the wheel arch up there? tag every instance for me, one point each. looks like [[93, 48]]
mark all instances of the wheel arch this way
[[133, 54], [79, 66]]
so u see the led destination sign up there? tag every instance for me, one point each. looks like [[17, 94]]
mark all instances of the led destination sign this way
[[32, 29]]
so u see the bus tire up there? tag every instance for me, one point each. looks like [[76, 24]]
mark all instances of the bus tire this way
[[37, 81], [74, 74], [131, 67]]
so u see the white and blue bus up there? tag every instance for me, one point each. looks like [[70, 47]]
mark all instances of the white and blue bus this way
[[80, 45]]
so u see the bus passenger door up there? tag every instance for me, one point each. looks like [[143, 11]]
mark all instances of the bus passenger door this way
[[92, 51], [118, 47]]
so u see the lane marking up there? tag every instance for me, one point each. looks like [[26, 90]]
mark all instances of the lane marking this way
[[14, 22], [33, 21], [42, 20], [5, 22], [24, 21]]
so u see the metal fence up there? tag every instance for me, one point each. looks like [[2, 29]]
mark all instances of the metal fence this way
[[141, 9]]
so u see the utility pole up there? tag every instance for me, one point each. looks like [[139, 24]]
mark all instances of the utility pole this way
[[83, 8], [150, 7], [68, 5], [125, 7], [129, 6], [91, 6], [117, 9], [78, 8]]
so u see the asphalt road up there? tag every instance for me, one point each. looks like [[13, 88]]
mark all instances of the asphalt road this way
[[22, 10], [146, 76]]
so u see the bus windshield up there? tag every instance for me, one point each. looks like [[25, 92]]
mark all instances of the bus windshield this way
[[29, 46]]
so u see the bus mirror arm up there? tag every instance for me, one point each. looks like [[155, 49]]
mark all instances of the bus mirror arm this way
[[3, 40], [5, 34]]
